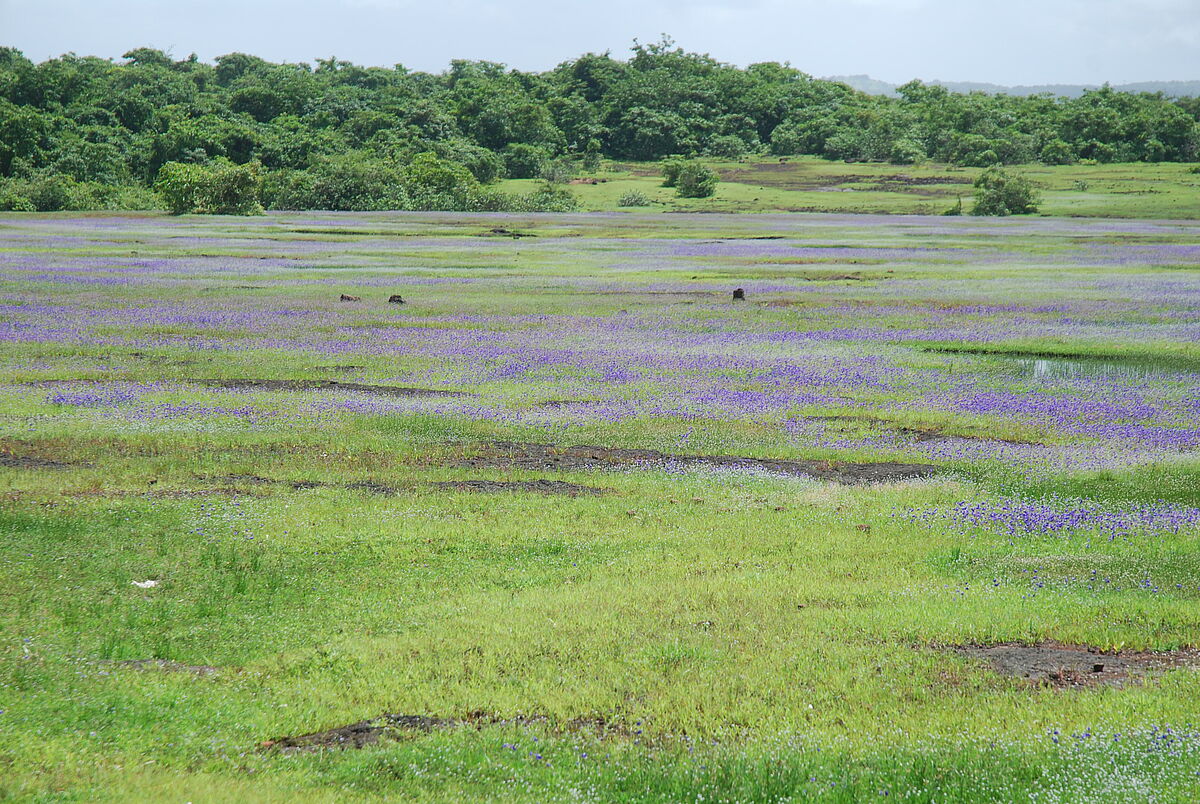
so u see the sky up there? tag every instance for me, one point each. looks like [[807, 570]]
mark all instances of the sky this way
[[999, 41]]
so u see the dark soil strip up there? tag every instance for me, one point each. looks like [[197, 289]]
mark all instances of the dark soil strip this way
[[283, 385], [500, 231], [325, 385], [916, 433], [989, 352], [540, 486], [358, 735], [565, 403], [11, 461], [504, 454], [369, 486], [1061, 665], [370, 732]]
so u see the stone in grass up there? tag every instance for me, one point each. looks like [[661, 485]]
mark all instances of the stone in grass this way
[[739, 295], [348, 297], [396, 298]]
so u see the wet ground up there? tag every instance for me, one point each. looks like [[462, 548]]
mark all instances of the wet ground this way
[[540, 486], [506, 454], [325, 385]]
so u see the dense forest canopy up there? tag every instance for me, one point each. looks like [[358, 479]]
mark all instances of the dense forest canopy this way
[[77, 130]]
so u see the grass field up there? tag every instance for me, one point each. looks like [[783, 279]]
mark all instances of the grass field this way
[[811, 184], [917, 519]]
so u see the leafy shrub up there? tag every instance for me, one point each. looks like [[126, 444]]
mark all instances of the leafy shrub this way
[[727, 146], [1057, 152], [486, 166], [846, 145], [558, 171], [49, 192], [433, 183], [218, 188], [906, 152], [13, 200], [670, 170], [973, 150], [998, 192], [547, 198], [523, 161], [1101, 152], [633, 198], [341, 183], [695, 181], [45, 193], [590, 159]]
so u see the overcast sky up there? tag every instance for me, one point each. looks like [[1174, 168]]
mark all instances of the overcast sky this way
[[1000, 41]]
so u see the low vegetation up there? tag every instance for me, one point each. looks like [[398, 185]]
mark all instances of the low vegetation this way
[[317, 506]]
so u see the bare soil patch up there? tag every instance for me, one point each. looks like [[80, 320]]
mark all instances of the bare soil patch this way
[[507, 454], [167, 666], [324, 385], [369, 486], [540, 486], [1060, 665]]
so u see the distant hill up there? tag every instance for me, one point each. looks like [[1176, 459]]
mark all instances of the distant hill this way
[[873, 86]]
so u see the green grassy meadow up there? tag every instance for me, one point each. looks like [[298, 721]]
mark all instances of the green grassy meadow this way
[[693, 631], [812, 184]]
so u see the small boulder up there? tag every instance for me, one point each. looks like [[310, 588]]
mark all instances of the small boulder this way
[[739, 295], [396, 298], [347, 297]]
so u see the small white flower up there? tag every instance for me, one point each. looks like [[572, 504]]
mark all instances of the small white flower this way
[[145, 584]]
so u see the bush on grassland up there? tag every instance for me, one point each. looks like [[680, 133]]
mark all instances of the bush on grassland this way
[[216, 188], [998, 192]]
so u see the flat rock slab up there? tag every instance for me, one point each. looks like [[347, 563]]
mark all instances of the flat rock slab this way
[[1077, 665], [540, 486], [327, 385], [506, 454]]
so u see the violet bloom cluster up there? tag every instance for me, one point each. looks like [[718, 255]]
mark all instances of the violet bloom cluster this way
[[1054, 516]]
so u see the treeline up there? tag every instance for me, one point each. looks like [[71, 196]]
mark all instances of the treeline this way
[[85, 132]]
